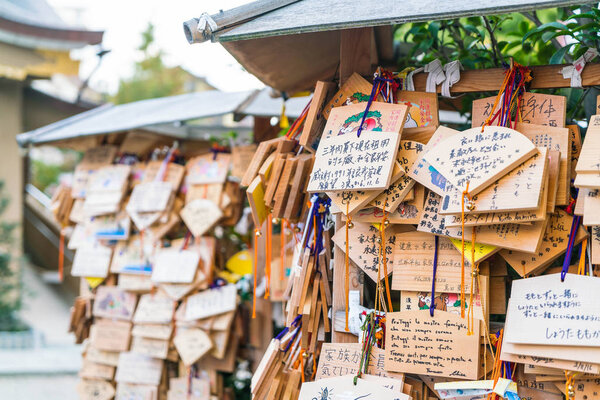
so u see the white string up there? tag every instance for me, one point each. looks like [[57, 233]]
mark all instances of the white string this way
[[204, 21], [436, 75], [452, 71], [574, 71]]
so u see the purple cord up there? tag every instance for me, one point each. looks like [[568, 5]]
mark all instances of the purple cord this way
[[568, 256], [435, 256]]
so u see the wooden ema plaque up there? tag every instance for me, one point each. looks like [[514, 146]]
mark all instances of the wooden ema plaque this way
[[518, 237], [479, 158], [413, 264], [365, 249], [536, 108], [554, 243], [391, 197], [421, 344], [519, 190], [553, 139], [349, 162], [423, 117], [381, 117], [356, 89], [423, 172], [545, 310]]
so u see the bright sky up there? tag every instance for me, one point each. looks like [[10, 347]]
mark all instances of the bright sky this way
[[124, 20]]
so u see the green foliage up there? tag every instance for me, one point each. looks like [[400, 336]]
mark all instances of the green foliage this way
[[491, 41], [581, 30], [10, 300], [151, 78]]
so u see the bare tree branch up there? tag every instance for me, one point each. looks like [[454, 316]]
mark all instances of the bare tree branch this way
[[496, 54]]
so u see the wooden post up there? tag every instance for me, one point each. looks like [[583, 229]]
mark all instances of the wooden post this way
[[339, 288], [356, 48]]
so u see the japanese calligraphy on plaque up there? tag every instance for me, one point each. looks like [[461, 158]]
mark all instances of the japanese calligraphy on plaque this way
[[349, 162]]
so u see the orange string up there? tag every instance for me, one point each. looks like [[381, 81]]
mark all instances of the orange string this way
[[61, 255], [581, 268], [302, 364], [384, 260], [462, 259], [268, 255], [347, 262], [497, 364], [256, 232], [470, 318], [282, 256]]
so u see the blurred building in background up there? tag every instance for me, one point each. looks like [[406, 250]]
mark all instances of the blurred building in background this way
[[34, 44]]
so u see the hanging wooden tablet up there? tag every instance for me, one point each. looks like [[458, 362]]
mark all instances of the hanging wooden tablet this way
[[315, 119], [241, 157], [536, 108], [422, 119], [346, 387], [262, 152], [136, 391], [575, 134], [112, 302], [208, 168], [347, 201], [591, 214], [413, 264], [381, 117], [200, 216], [546, 310], [256, 196], [519, 237], [595, 244], [519, 190], [405, 213], [443, 301], [554, 243], [298, 186], [147, 197], [92, 261], [390, 198], [138, 368], [154, 309], [422, 171], [98, 156], [192, 344], [364, 248], [553, 179], [419, 343], [282, 191], [155, 348], [554, 139], [211, 302], [89, 389], [348, 162], [271, 184], [509, 217], [479, 158], [110, 335], [355, 89], [174, 173], [175, 265], [92, 370]]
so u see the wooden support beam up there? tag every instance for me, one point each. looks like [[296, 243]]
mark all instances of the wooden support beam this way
[[356, 47], [490, 80]]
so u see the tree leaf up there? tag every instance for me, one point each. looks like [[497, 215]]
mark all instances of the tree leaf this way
[[558, 56]]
